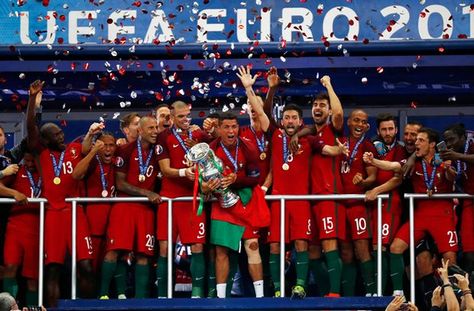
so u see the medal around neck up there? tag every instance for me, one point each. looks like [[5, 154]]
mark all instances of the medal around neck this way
[[210, 167]]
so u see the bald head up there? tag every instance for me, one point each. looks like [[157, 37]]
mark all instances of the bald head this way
[[358, 123], [181, 115], [52, 136]]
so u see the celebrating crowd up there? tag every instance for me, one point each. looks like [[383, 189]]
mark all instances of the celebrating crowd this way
[[331, 240]]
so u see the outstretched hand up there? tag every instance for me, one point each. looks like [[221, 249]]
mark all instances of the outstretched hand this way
[[245, 76]]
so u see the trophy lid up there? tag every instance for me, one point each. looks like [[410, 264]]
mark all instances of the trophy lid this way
[[198, 152]]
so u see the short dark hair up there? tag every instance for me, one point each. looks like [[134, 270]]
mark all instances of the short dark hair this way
[[227, 116], [320, 96], [415, 122], [127, 119], [458, 129], [385, 116], [433, 136], [214, 115], [104, 133], [293, 107]]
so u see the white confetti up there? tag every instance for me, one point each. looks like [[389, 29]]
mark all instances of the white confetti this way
[[133, 94]]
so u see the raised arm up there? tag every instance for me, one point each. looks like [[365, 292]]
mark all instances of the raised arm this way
[[93, 130], [36, 93], [336, 106], [336, 150], [81, 168], [255, 101], [273, 81]]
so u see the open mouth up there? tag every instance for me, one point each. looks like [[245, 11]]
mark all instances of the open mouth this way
[[317, 114], [358, 131]]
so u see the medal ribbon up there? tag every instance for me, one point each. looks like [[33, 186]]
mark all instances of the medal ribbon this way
[[260, 141], [143, 166], [356, 148], [428, 182], [458, 162], [180, 140], [57, 165], [36, 187], [229, 156], [285, 148], [103, 181]]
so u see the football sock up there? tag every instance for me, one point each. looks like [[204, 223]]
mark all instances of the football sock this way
[[141, 280], [275, 270], [334, 269], [320, 272], [197, 274], [348, 279], [107, 273], [162, 276], [301, 268], [397, 268]]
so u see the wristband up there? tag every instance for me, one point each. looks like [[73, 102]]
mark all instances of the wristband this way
[[446, 285], [265, 189], [182, 172], [466, 292]]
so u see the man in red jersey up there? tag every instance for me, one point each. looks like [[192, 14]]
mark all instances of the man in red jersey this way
[[356, 178], [241, 221], [56, 161], [129, 126], [163, 116], [390, 150], [131, 225], [291, 177], [461, 152], [97, 170], [435, 217], [22, 234], [328, 117], [174, 144]]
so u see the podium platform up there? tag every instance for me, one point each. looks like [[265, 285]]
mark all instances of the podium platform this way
[[311, 303]]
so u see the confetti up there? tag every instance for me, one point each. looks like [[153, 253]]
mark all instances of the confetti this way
[[452, 99], [413, 104], [22, 76], [364, 80], [379, 69], [133, 94]]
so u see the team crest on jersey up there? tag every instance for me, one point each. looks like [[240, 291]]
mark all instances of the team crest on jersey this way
[[158, 149], [119, 162], [74, 152]]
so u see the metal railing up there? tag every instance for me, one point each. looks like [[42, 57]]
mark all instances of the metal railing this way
[[41, 201], [411, 218], [282, 198]]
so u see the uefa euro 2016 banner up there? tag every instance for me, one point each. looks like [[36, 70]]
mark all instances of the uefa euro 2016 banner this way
[[50, 22]]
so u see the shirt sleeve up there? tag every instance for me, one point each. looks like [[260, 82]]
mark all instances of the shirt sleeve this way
[[162, 151], [122, 159]]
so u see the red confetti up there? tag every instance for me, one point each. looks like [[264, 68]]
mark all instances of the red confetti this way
[[422, 14], [85, 66], [326, 43], [137, 4], [109, 21], [202, 64], [351, 22], [122, 71], [389, 28], [50, 68], [180, 67], [45, 2], [62, 18], [379, 69], [159, 96], [228, 52], [445, 36], [441, 49], [14, 97], [392, 22], [268, 61], [202, 114], [63, 123], [231, 21], [55, 14], [73, 66], [462, 36], [365, 41], [83, 98], [319, 11], [413, 104], [21, 2], [89, 16], [150, 65], [60, 40]]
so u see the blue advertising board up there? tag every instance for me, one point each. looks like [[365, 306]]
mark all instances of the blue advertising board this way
[[128, 22]]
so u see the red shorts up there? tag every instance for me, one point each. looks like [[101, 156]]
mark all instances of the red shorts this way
[[391, 214], [251, 233], [467, 221], [22, 249], [57, 235], [442, 228], [190, 227], [297, 221], [330, 220], [131, 228], [98, 216], [358, 221]]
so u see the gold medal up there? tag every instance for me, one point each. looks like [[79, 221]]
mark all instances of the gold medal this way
[[263, 156], [105, 193], [285, 166], [141, 178], [57, 180], [429, 192]]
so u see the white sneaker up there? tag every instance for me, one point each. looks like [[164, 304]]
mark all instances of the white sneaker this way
[[122, 296]]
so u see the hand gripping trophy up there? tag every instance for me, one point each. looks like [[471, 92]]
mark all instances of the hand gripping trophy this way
[[210, 167]]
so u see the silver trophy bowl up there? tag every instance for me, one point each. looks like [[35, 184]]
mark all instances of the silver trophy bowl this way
[[209, 165]]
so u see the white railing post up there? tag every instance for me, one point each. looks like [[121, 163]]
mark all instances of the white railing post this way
[[411, 220], [73, 250], [282, 246], [170, 249], [41, 255], [379, 246]]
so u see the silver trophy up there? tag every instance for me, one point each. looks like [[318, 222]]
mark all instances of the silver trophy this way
[[209, 165]]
